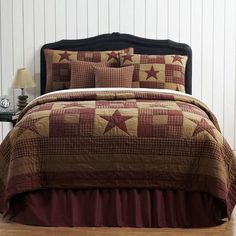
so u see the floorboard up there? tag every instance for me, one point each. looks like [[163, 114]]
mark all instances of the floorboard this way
[[13, 229]]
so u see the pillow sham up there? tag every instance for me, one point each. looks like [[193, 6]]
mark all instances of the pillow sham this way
[[59, 69], [157, 71], [111, 58], [82, 74], [111, 77]]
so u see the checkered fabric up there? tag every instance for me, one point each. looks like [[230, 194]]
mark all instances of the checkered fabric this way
[[82, 74], [157, 71], [58, 64], [117, 139], [111, 58], [106, 77]]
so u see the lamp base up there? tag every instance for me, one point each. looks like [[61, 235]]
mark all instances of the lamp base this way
[[22, 102]]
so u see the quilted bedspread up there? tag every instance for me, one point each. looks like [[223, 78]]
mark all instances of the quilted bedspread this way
[[117, 139]]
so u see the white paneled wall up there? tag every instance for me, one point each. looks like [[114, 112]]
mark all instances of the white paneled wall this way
[[209, 26]]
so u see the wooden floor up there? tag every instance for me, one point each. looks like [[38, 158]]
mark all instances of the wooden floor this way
[[13, 229]]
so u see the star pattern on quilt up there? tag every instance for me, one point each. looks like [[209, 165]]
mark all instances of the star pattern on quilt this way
[[177, 58], [203, 125], [116, 120], [112, 55], [65, 55], [28, 124], [127, 57], [151, 73]]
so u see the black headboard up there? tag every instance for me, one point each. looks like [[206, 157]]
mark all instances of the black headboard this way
[[118, 41]]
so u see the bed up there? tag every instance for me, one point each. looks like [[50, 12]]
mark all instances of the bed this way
[[129, 157]]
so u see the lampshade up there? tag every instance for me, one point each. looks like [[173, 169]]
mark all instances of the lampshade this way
[[23, 79]]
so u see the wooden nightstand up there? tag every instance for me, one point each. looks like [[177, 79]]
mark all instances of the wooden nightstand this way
[[9, 117]]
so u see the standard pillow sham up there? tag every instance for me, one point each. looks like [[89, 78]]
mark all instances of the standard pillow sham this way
[[111, 77], [59, 68], [157, 71], [82, 74]]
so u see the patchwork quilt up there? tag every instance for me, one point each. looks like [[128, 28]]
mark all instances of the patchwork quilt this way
[[117, 139]]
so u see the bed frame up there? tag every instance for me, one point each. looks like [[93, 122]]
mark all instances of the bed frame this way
[[114, 205], [116, 41]]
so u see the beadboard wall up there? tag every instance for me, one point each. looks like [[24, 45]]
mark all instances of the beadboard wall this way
[[207, 25]]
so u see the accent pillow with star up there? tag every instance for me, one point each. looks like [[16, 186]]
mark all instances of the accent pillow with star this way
[[157, 71], [58, 64], [111, 77]]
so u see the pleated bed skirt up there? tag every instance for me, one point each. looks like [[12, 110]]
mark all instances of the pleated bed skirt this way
[[117, 207]]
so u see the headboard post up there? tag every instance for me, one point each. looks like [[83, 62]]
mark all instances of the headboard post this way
[[116, 41]]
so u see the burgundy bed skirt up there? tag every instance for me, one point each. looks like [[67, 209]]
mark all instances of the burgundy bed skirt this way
[[117, 207]]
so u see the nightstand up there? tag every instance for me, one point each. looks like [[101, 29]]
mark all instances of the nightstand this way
[[9, 117]]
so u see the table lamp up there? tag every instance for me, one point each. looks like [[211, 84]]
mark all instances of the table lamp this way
[[23, 80]]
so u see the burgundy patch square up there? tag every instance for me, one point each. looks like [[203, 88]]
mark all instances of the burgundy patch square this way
[[61, 72], [176, 119], [56, 123], [151, 84], [174, 131], [86, 121], [136, 72], [161, 131], [145, 123]]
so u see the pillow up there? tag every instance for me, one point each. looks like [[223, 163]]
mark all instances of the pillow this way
[[58, 68], [58, 64], [110, 57], [108, 77], [157, 71], [82, 74]]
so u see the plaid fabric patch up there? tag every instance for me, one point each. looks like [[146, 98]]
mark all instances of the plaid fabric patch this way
[[111, 58], [106, 77], [157, 71]]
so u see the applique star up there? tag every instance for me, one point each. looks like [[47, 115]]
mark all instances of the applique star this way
[[202, 125], [28, 124], [116, 120], [177, 58], [127, 57], [112, 55], [152, 73], [65, 55]]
